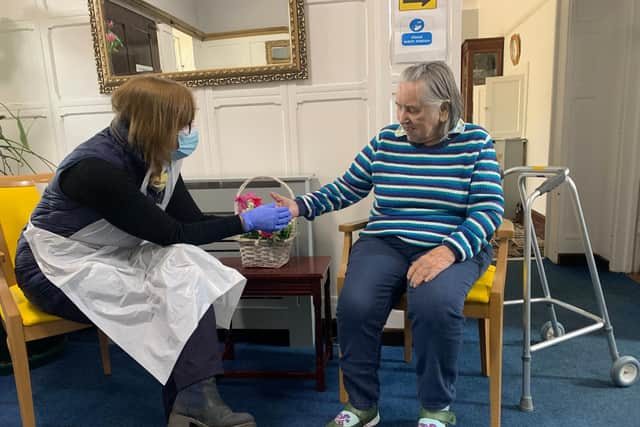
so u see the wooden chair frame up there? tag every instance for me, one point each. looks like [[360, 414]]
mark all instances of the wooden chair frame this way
[[18, 335], [489, 315]]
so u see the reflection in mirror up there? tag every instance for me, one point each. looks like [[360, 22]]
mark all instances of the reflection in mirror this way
[[201, 42]]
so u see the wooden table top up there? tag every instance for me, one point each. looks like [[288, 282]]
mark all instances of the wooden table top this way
[[303, 266]]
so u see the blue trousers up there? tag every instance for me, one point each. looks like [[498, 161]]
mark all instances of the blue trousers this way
[[375, 280]]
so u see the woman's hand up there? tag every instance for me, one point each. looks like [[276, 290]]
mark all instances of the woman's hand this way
[[429, 265], [286, 202], [266, 218]]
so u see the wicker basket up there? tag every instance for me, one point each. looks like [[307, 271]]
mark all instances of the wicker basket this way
[[267, 253]]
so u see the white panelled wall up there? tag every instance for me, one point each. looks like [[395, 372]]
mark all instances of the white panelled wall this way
[[314, 126]]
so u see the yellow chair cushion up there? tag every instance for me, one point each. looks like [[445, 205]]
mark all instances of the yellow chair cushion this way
[[16, 205], [29, 313], [481, 290]]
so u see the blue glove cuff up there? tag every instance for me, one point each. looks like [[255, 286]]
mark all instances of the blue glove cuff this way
[[247, 225]]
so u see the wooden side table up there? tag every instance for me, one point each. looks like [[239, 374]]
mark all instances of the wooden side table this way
[[299, 277]]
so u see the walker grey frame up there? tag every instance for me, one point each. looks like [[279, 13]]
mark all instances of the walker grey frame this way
[[625, 370]]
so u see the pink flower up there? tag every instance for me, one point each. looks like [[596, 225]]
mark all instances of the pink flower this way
[[248, 201], [111, 37], [265, 234], [110, 23]]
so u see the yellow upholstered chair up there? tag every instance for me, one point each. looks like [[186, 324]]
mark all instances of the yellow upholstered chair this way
[[21, 320], [484, 302]]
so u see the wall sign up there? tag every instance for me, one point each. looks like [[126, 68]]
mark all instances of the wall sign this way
[[420, 31], [418, 4]]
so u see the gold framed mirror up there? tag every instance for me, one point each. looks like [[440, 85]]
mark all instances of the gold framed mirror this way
[[199, 42]]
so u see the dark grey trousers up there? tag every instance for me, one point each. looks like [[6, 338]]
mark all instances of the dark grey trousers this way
[[201, 357]]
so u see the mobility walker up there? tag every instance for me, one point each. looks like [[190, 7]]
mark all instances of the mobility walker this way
[[625, 369]]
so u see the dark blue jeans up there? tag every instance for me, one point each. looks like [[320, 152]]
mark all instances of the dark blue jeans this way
[[374, 282]]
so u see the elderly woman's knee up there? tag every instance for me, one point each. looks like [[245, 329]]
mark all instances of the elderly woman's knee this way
[[355, 307], [435, 308]]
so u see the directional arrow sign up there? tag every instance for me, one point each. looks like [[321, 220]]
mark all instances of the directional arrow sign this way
[[418, 4]]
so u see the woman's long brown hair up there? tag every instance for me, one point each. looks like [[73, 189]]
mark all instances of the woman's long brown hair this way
[[156, 109]]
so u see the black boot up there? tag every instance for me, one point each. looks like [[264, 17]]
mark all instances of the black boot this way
[[200, 405]]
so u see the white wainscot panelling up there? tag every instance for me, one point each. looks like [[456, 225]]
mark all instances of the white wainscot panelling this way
[[251, 139], [66, 7], [199, 164], [77, 128], [13, 10], [22, 73], [74, 64], [337, 41], [331, 134], [223, 54], [40, 139]]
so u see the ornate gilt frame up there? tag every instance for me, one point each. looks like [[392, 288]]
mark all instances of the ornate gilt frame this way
[[297, 69], [269, 51]]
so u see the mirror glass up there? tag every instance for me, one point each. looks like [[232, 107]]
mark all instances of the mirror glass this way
[[200, 42]]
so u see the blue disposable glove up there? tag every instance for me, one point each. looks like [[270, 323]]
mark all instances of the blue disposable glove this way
[[266, 218]]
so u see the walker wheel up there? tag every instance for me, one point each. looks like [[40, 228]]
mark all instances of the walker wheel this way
[[625, 371], [547, 332]]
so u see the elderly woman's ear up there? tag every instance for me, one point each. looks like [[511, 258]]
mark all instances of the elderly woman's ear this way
[[444, 113]]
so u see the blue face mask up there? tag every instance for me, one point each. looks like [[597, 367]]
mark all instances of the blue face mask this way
[[187, 143]]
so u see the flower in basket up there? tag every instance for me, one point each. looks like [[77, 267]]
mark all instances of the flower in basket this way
[[250, 201]]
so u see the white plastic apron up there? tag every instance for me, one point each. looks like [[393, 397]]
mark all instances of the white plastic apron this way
[[147, 298]]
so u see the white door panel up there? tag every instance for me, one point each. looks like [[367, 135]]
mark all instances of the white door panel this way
[[505, 106]]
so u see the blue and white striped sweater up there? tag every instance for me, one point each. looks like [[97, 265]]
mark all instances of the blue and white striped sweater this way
[[449, 193]]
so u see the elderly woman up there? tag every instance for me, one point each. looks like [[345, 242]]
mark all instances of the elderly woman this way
[[437, 201]]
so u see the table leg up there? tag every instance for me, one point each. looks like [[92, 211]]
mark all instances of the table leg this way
[[317, 304], [327, 318]]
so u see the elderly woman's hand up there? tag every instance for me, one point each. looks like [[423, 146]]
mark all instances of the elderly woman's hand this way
[[286, 202], [429, 265]]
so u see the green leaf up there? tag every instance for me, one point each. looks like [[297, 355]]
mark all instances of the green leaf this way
[[18, 153], [23, 133]]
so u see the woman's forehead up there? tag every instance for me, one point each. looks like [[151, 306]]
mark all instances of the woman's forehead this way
[[410, 93]]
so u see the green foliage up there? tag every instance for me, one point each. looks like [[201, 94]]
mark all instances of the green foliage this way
[[279, 235], [15, 155]]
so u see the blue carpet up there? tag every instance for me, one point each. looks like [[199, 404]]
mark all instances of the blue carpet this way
[[570, 382]]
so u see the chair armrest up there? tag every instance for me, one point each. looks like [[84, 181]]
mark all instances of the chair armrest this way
[[9, 307], [505, 231], [347, 228], [352, 226], [503, 234]]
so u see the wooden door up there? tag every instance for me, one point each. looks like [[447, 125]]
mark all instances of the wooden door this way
[[139, 53], [481, 58]]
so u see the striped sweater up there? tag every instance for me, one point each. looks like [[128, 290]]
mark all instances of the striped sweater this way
[[446, 194]]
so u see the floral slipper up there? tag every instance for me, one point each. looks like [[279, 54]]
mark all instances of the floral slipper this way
[[436, 419], [352, 417]]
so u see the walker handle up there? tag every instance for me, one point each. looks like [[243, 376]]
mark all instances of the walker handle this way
[[551, 183]]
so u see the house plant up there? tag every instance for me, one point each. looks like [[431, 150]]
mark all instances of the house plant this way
[[16, 155]]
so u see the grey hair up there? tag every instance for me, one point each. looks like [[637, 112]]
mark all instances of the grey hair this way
[[439, 87]]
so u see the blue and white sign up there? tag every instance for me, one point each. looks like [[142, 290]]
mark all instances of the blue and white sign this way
[[421, 35], [417, 39], [416, 25]]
